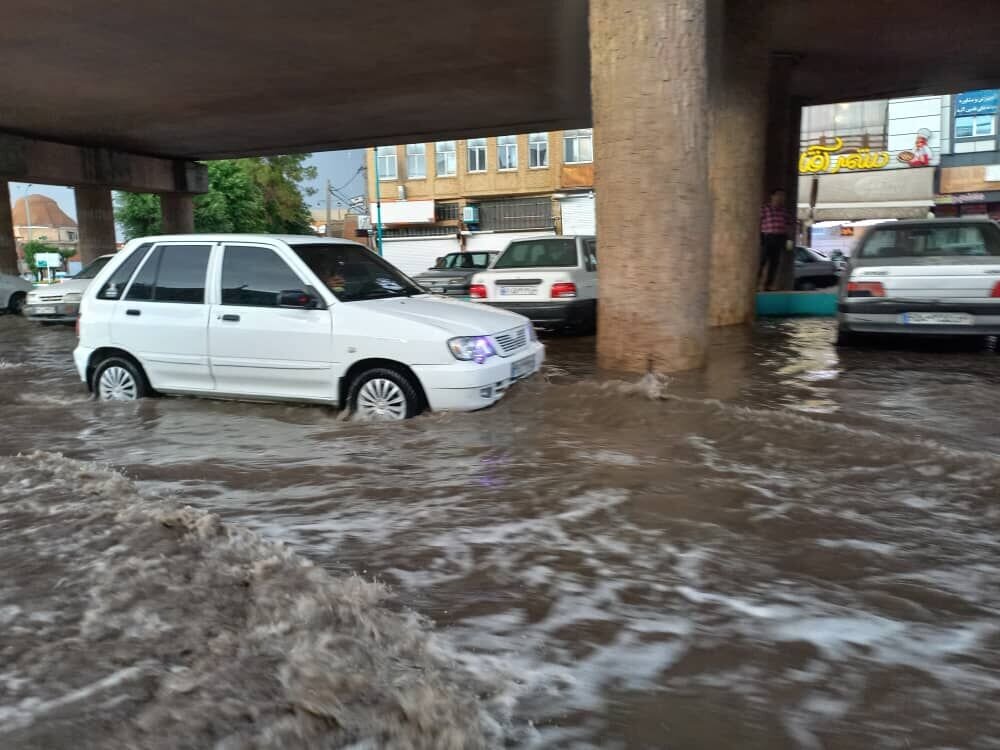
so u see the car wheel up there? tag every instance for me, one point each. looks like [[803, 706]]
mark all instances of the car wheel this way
[[119, 379], [848, 338], [16, 303], [383, 395]]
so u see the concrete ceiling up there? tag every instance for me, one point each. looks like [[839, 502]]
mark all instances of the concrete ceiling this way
[[240, 77]]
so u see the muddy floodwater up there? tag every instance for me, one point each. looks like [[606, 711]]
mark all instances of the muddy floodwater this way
[[794, 548]]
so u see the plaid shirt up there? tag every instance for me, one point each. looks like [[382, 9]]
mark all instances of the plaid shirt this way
[[774, 220]]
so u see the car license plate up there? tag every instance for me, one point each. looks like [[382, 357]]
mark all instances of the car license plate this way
[[522, 367], [517, 291], [44, 310], [938, 319]]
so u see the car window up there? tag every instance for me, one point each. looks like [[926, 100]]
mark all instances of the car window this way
[[802, 255], [173, 273], [543, 253], [91, 271], [943, 240], [255, 276], [590, 254], [354, 273], [118, 280]]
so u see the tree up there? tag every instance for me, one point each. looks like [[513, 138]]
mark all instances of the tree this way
[[244, 195], [40, 245]]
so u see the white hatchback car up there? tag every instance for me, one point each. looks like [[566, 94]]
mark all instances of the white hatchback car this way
[[551, 280], [291, 318]]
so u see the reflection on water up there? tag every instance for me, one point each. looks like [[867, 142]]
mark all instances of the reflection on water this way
[[794, 547]]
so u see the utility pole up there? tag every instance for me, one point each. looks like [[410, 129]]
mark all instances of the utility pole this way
[[27, 209], [378, 206], [329, 197]]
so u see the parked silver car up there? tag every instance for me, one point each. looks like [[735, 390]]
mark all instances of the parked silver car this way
[[931, 277], [813, 270]]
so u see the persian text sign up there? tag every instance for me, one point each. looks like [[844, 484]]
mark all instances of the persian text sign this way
[[983, 102], [828, 159]]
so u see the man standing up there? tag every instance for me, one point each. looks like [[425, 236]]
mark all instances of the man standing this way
[[775, 228]]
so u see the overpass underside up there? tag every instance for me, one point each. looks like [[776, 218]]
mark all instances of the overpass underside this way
[[695, 105]]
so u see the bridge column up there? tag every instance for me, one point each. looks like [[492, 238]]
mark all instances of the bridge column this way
[[96, 216], [177, 210], [8, 245], [737, 144], [649, 86]]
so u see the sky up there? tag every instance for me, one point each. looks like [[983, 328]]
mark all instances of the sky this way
[[342, 168]]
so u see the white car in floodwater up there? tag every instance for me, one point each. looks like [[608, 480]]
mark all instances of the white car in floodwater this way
[[13, 291], [938, 277], [290, 318], [60, 303]]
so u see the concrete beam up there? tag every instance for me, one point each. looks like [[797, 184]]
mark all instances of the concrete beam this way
[[31, 160], [96, 217], [177, 211], [8, 246]]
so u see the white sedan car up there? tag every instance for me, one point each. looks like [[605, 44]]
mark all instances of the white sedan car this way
[[291, 318], [60, 303], [934, 277], [13, 292]]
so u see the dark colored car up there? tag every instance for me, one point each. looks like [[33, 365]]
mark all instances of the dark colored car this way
[[453, 273], [813, 270]]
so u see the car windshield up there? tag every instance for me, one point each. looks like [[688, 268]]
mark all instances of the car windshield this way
[[466, 260], [544, 253], [93, 269], [943, 240], [354, 273]]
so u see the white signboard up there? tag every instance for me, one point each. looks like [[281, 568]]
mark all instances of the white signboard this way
[[404, 212], [48, 260]]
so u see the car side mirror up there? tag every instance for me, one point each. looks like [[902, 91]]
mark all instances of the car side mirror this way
[[298, 299]]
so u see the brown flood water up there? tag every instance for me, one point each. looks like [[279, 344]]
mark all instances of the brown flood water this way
[[796, 548]]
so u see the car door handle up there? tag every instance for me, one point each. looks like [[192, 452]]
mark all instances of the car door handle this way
[[133, 312], [231, 318]]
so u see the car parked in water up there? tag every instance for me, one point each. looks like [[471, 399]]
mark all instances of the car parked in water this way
[[60, 303], [13, 292], [291, 318], [551, 280], [813, 270], [453, 274], [929, 277]]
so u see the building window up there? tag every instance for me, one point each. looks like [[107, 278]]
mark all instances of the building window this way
[[856, 124], [386, 156], [71, 236], [477, 155], [416, 161], [516, 213], [538, 150], [975, 126], [446, 163], [579, 146], [446, 211], [507, 152]]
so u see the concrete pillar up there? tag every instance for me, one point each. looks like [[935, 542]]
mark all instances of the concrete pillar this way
[[177, 210], [8, 245], [96, 216], [649, 86], [738, 112]]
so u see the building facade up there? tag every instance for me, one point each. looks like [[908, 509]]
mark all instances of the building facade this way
[[969, 179], [480, 193], [38, 217]]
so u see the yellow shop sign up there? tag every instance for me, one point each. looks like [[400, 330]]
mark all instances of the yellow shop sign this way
[[827, 159]]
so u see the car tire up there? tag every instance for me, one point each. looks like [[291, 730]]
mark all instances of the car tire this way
[[848, 338], [383, 395], [119, 379], [15, 305]]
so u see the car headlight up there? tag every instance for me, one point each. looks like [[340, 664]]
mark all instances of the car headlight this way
[[532, 333], [72, 297], [32, 298], [472, 348]]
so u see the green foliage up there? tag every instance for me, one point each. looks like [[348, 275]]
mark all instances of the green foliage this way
[[245, 195], [40, 245]]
